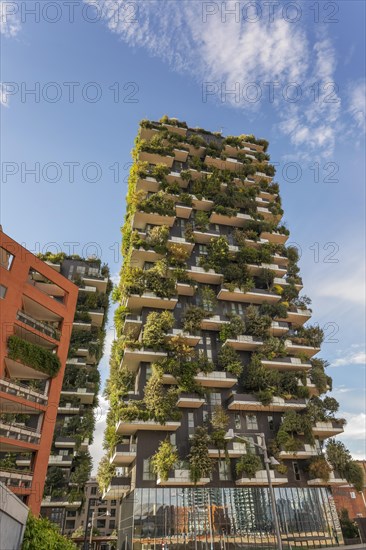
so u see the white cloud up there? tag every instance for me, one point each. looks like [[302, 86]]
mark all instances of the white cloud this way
[[355, 427], [96, 449], [237, 52], [357, 103], [9, 19], [358, 358]]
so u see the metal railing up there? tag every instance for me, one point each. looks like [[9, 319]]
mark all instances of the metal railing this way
[[46, 329], [21, 390]]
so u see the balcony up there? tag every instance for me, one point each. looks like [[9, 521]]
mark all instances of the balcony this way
[[97, 317], [19, 432], [141, 219], [248, 402], [181, 241], [234, 449], [286, 364], [213, 323], [204, 237], [183, 211], [18, 370], [64, 442], [184, 289], [175, 177], [283, 283], [68, 408], [87, 288], [200, 275], [81, 325], [21, 390], [292, 347], [268, 215], [60, 502], [180, 130], [333, 480], [261, 479], [118, 487], [244, 343], [279, 328], [148, 133], [216, 379], [60, 460], [190, 401], [190, 339], [255, 296], [279, 271], [155, 158], [149, 299], [258, 176], [45, 328], [196, 151], [148, 184], [274, 237], [305, 451], [239, 220], [78, 361], [130, 428], [179, 478], [100, 283], [133, 323], [230, 163], [133, 357], [297, 317], [330, 428], [82, 394], [181, 155], [202, 204], [139, 256], [16, 479], [124, 454]]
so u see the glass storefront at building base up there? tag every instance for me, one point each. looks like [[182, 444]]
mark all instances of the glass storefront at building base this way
[[197, 518]]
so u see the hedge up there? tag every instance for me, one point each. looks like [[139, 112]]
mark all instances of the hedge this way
[[33, 356]]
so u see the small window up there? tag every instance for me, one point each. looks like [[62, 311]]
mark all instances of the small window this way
[[237, 421], [215, 399], [6, 259], [80, 269], [93, 491], [191, 423], [224, 471], [3, 290], [173, 439], [147, 474], [70, 524], [296, 469], [148, 372], [352, 494], [270, 422], [113, 512], [113, 503], [251, 421], [112, 524]]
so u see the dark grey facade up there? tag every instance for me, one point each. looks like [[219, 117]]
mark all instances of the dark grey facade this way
[[201, 189]]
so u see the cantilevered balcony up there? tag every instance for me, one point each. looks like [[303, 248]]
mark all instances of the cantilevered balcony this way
[[82, 394], [124, 454], [180, 155], [190, 339], [16, 479], [204, 237], [131, 427], [182, 242], [64, 442], [293, 347], [148, 133], [297, 317], [304, 451], [19, 433], [133, 357], [261, 478], [100, 283], [244, 343], [148, 184], [133, 323], [175, 129], [141, 219], [258, 176], [334, 480], [195, 151], [81, 325], [234, 449], [286, 364], [278, 328], [190, 401], [230, 163], [156, 158], [175, 177], [274, 237], [60, 502], [202, 204], [329, 428], [254, 296], [68, 408], [268, 215], [278, 270], [18, 370], [96, 316], [185, 289], [12, 387], [213, 323], [216, 379], [283, 283], [38, 325], [238, 220], [60, 460], [140, 255], [200, 275], [179, 478], [248, 402], [135, 302]]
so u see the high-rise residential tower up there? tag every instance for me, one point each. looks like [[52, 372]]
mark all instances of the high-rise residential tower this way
[[37, 311], [70, 462], [212, 336]]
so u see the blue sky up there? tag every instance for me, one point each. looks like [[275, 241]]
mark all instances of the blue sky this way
[[145, 59]]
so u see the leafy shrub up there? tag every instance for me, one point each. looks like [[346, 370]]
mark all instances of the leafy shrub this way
[[249, 465], [33, 356], [164, 459]]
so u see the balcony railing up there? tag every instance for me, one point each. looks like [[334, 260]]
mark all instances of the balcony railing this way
[[21, 390], [20, 433], [46, 329], [16, 478]]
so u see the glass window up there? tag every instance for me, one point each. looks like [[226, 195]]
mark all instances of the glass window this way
[[202, 249], [215, 399], [250, 444], [191, 423], [93, 491], [113, 512], [6, 259], [3, 290], [224, 471], [70, 524], [352, 494], [237, 421], [296, 469], [251, 421], [147, 474], [80, 269], [270, 422], [173, 439], [112, 524], [113, 503]]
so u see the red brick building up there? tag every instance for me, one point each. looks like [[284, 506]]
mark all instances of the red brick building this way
[[347, 497], [37, 312]]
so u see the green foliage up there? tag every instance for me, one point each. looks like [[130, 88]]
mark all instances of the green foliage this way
[[160, 402], [155, 329], [294, 424], [249, 465], [164, 459], [33, 356], [201, 220], [158, 203], [200, 464], [319, 468], [256, 324], [230, 361], [105, 473], [217, 257], [349, 527], [232, 329], [41, 534], [192, 318], [220, 424], [341, 460]]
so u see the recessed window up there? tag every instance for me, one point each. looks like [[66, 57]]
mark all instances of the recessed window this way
[[147, 473], [6, 259], [352, 494], [270, 422], [251, 421], [224, 471], [296, 469], [93, 491], [3, 290]]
